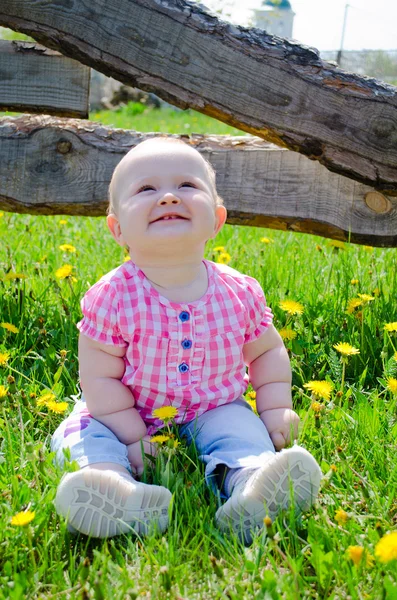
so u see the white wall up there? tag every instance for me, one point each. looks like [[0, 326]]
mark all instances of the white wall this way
[[277, 22]]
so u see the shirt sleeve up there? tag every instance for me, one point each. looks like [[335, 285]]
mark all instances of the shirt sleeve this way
[[258, 314], [100, 307]]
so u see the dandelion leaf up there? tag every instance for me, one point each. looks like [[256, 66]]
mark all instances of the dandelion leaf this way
[[335, 365]]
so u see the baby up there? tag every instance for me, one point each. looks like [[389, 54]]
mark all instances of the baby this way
[[168, 328]]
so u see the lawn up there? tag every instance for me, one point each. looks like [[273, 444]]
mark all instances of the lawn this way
[[345, 293]]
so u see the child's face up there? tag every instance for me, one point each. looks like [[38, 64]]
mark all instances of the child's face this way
[[164, 196]]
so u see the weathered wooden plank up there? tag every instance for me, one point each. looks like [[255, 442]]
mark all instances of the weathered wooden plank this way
[[64, 166], [265, 85], [37, 80]]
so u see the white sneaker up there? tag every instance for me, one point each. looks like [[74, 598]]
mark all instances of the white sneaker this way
[[292, 476], [106, 503]]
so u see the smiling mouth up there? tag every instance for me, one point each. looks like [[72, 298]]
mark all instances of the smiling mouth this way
[[170, 218]]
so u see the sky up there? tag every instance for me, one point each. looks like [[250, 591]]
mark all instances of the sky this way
[[370, 24]]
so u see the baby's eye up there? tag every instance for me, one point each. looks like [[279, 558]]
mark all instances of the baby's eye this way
[[187, 184], [145, 188]]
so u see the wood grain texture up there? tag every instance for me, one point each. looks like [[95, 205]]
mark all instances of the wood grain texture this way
[[34, 79], [268, 86], [64, 166]]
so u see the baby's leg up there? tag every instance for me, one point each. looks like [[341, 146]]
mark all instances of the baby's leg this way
[[102, 499], [258, 481]]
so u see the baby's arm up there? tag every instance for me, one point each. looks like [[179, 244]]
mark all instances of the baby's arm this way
[[270, 375], [108, 399]]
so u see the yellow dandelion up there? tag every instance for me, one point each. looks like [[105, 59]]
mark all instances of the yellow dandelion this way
[[341, 516], [165, 413], [11, 276], [223, 258], [368, 248], [252, 404], [354, 282], [219, 249], [317, 407], [357, 554], [366, 298], [390, 326], [3, 391], [64, 272], [321, 389], [1, 214], [9, 327], [176, 443], [353, 304], [319, 248], [22, 518], [67, 248], [392, 385], [126, 258], [333, 468], [160, 439], [266, 240], [337, 244], [57, 407], [45, 399], [376, 291], [287, 334], [4, 357], [267, 521], [291, 307], [346, 349], [62, 221], [251, 394], [386, 548]]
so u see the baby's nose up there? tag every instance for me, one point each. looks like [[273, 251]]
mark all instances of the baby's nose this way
[[169, 198]]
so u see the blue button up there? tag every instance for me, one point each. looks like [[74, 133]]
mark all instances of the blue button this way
[[184, 316], [187, 344], [183, 368]]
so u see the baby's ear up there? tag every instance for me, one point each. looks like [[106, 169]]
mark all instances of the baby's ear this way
[[115, 229], [220, 218]]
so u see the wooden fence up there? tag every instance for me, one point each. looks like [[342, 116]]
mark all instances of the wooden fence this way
[[332, 172]]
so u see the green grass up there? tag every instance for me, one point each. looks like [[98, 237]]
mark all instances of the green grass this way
[[353, 439], [167, 120]]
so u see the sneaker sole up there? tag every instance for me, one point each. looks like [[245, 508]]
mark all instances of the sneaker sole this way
[[292, 477], [104, 504]]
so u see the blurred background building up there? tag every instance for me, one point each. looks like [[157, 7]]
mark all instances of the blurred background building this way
[[275, 17]]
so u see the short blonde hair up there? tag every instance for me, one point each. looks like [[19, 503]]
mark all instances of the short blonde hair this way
[[112, 206]]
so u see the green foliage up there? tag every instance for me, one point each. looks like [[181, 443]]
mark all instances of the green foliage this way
[[8, 34], [352, 437], [139, 117]]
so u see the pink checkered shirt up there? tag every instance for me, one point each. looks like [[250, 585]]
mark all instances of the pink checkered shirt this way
[[188, 355]]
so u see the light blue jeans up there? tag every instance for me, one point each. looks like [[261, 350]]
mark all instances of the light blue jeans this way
[[231, 435]]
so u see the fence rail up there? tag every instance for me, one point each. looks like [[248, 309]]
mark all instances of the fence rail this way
[[68, 163]]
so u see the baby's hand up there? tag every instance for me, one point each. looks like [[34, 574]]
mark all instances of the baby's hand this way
[[135, 453], [280, 423]]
